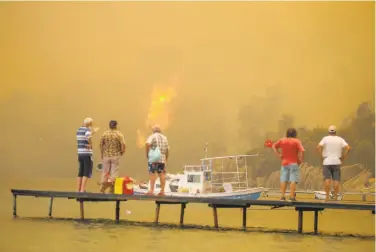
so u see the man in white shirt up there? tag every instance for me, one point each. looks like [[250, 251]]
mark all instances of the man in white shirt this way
[[333, 150]]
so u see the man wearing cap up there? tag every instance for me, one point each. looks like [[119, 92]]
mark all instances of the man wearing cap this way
[[333, 151], [85, 153], [112, 146], [154, 141]]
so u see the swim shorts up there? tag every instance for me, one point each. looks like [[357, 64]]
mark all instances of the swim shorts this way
[[156, 167], [290, 173], [332, 172], [85, 167]]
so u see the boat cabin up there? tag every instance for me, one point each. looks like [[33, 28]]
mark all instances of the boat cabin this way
[[196, 179]]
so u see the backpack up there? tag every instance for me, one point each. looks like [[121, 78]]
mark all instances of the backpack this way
[[155, 154]]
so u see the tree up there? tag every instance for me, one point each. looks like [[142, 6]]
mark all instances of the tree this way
[[287, 121]]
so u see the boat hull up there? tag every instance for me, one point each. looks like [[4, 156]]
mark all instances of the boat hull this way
[[250, 194], [320, 195]]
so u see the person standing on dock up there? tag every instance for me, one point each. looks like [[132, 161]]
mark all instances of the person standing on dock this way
[[112, 146], [333, 151], [292, 156], [157, 152], [85, 152]]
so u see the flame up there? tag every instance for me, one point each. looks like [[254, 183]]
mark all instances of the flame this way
[[159, 109]]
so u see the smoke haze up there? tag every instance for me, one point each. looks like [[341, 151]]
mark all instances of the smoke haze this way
[[63, 61]]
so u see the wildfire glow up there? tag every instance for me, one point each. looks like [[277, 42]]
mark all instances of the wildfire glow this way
[[159, 109]]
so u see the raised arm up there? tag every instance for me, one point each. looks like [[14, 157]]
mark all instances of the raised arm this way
[[88, 136]]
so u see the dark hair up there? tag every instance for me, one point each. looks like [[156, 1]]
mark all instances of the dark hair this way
[[113, 124], [291, 132]]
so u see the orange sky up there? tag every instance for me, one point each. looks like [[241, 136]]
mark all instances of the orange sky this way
[[63, 61]]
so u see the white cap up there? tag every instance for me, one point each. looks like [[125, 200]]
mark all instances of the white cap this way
[[88, 120], [332, 129]]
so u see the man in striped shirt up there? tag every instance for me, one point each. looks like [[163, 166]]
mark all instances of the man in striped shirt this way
[[85, 152]]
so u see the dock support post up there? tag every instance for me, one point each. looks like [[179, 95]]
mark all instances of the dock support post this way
[[182, 214], [244, 217], [215, 216], [14, 206], [316, 221], [50, 209], [82, 209], [117, 211], [157, 212], [300, 221]]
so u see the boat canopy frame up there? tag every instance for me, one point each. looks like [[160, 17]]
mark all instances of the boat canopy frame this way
[[217, 178]]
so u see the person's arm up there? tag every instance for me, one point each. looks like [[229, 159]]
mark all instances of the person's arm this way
[[275, 148], [94, 130], [301, 153], [167, 151], [88, 136], [319, 149], [345, 150], [123, 146], [148, 146], [101, 145]]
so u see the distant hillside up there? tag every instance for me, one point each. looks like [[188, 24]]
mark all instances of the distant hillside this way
[[353, 178]]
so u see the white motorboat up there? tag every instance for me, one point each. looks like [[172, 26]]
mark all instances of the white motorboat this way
[[206, 180]]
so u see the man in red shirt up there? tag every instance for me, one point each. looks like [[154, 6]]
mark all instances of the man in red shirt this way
[[292, 156]]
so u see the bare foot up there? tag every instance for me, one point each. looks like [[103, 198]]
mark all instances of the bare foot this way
[[150, 193], [161, 194]]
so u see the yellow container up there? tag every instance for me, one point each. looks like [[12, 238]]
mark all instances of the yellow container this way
[[119, 185]]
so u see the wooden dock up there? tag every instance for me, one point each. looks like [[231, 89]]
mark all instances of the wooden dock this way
[[214, 203]]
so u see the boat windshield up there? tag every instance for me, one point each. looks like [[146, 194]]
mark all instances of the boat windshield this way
[[192, 178]]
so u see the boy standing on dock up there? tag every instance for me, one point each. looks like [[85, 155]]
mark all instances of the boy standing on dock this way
[[85, 153], [157, 142], [292, 156], [333, 151], [112, 145]]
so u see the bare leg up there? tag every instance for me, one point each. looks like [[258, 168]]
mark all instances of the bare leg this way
[[83, 185], [336, 189], [283, 189], [112, 188], [328, 183], [162, 178], [79, 182], [103, 187], [152, 178], [292, 190]]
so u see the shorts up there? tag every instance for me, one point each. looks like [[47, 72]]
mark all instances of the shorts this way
[[290, 173], [110, 169], [156, 167], [332, 172], [85, 167]]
